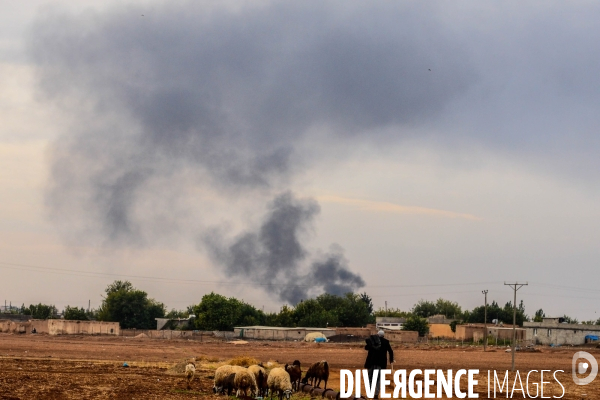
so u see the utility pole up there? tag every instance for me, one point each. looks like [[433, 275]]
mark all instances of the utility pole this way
[[89, 305], [516, 286], [485, 292], [386, 314]]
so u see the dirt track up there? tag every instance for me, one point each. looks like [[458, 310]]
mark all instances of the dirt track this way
[[76, 367]]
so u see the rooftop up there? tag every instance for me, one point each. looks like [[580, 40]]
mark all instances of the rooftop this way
[[279, 328], [556, 325]]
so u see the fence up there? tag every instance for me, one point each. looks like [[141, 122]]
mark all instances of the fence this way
[[200, 336], [492, 341]]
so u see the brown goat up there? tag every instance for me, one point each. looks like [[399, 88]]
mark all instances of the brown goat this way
[[316, 373], [295, 374]]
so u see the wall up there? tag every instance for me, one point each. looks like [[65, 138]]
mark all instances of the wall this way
[[506, 333], [500, 334], [15, 326], [66, 327], [441, 331], [41, 326], [363, 332], [171, 334], [402, 336]]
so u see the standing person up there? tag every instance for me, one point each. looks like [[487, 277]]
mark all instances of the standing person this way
[[378, 347]]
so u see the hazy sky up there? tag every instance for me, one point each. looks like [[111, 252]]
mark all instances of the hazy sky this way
[[272, 150]]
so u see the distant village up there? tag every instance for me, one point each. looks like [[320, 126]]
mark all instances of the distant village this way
[[220, 316]]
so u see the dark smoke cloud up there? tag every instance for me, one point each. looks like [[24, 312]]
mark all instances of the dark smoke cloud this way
[[227, 94], [224, 101], [274, 255]]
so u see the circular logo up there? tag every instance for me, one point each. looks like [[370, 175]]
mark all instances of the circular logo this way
[[583, 367]]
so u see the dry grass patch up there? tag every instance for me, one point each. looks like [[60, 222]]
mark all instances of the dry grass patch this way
[[208, 359], [243, 361]]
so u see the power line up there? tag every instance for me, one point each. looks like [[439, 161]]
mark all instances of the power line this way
[[92, 274], [561, 296], [421, 294], [566, 287]]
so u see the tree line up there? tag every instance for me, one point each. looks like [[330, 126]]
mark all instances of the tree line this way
[[132, 308]]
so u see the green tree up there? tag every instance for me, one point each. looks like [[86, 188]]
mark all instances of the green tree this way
[[130, 307], [494, 311], [424, 309], [368, 301], [41, 311], [570, 320], [539, 316], [178, 313], [453, 325], [416, 323], [347, 310], [285, 318], [311, 313], [75, 314], [391, 312], [219, 313], [449, 309]]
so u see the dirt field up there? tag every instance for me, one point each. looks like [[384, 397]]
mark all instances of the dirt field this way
[[77, 367]]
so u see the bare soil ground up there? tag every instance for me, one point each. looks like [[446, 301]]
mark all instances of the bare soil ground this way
[[84, 367]]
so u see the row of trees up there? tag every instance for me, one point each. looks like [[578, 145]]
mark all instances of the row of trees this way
[[39, 311], [453, 310], [132, 308], [217, 312]]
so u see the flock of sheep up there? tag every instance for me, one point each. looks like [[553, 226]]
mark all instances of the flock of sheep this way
[[258, 381]]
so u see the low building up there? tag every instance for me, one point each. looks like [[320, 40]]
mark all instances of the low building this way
[[442, 331], [551, 331], [467, 331], [477, 331], [439, 327], [381, 322], [277, 333], [60, 327], [440, 319]]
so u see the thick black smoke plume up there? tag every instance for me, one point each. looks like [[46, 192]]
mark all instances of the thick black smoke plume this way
[[274, 256]]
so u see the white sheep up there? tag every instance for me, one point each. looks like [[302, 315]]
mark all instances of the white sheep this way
[[221, 375], [279, 380], [190, 370], [243, 381], [260, 375]]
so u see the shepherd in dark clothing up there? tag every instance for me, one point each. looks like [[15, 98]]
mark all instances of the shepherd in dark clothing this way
[[378, 348]]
